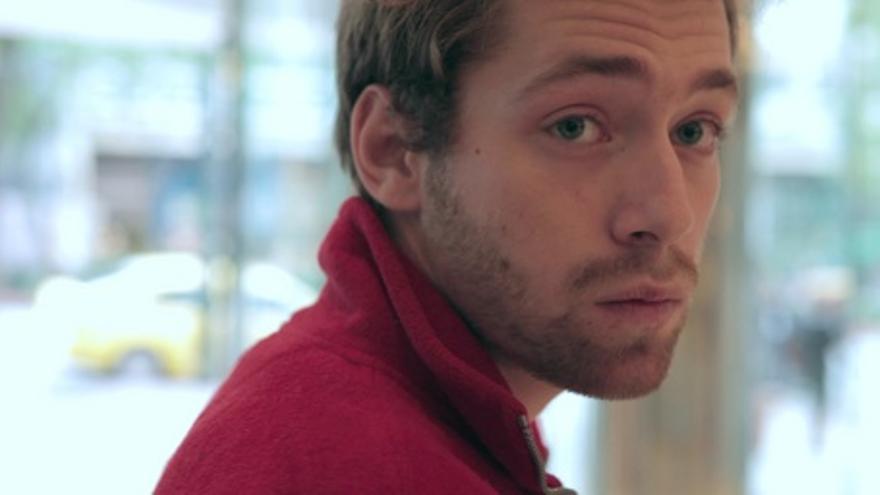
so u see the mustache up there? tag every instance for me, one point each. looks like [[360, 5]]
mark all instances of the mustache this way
[[672, 263]]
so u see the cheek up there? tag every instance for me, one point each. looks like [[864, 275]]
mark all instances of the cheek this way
[[502, 192], [511, 213], [704, 201], [542, 236], [542, 216], [707, 198]]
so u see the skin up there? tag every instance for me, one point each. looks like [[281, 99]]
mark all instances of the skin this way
[[567, 220]]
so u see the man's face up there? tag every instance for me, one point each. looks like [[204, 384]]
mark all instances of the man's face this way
[[567, 220]]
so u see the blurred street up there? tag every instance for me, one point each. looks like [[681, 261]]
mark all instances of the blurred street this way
[[65, 431], [800, 451]]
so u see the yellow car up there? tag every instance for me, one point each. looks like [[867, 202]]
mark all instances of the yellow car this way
[[149, 310]]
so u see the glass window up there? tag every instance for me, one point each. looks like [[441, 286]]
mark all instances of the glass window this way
[[166, 177], [814, 241]]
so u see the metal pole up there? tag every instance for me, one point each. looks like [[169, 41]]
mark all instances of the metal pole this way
[[225, 174]]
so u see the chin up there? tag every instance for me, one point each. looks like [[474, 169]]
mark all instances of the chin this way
[[619, 389], [630, 375], [625, 390]]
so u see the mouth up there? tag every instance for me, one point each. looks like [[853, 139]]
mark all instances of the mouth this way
[[646, 304]]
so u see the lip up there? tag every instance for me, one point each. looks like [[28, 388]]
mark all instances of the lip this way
[[644, 304], [645, 294]]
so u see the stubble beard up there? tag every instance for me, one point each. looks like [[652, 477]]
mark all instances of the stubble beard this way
[[492, 296]]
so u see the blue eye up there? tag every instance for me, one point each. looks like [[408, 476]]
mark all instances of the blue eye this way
[[577, 128], [571, 128], [690, 133], [700, 133]]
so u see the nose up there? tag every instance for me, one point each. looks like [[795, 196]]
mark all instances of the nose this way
[[654, 204]]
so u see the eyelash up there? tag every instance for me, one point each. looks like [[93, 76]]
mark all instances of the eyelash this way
[[587, 118], [717, 129]]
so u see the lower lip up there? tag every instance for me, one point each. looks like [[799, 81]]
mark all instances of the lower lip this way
[[645, 312]]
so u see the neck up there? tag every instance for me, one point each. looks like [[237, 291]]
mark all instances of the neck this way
[[534, 393]]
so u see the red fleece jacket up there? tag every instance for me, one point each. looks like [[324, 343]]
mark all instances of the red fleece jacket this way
[[379, 388]]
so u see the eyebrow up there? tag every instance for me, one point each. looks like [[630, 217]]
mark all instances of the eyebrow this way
[[717, 79], [625, 67]]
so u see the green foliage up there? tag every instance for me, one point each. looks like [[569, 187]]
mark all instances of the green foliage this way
[[33, 77], [37, 78]]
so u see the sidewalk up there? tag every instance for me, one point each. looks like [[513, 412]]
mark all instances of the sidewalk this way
[[840, 458], [66, 432]]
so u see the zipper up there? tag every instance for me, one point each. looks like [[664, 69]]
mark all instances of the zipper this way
[[538, 460]]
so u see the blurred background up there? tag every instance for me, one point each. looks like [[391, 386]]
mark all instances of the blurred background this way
[[166, 177]]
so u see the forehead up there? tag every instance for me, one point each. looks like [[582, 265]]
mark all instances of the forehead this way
[[664, 20], [663, 36]]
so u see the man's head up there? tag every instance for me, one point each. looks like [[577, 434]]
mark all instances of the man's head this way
[[418, 49], [551, 166]]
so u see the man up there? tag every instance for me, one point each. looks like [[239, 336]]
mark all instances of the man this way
[[538, 178]]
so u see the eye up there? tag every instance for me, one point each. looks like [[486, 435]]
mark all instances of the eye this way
[[577, 128], [702, 134]]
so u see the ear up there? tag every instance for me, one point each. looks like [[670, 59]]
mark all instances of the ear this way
[[388, 170]]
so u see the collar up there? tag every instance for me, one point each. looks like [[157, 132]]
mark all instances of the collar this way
[[367, 273]]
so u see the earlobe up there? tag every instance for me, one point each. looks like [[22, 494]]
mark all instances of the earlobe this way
[[388, 170]]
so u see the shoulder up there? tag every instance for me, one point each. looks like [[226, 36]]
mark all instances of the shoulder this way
[[320, 420]]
